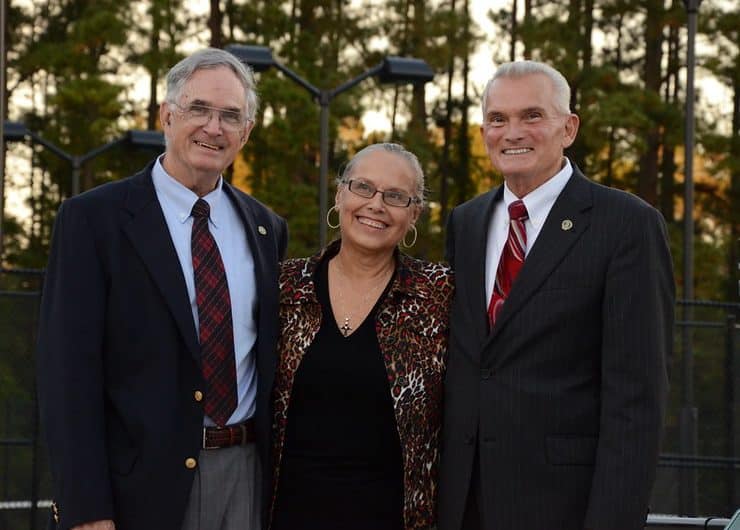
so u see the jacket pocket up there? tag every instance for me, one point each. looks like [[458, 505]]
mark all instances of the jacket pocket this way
[[570, 450]]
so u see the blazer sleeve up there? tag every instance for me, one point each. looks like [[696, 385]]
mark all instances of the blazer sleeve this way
[[637, 327], [450, 239], [282, 238], [70, 370]]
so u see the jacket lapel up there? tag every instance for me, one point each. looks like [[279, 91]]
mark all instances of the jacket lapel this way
[[567, 220], [148, 233], [473, 267]]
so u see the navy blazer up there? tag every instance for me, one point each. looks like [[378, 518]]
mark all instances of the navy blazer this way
[[561, 404], [119, 360]]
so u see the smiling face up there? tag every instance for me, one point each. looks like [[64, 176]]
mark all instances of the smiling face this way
[[370, 224], [524, 133], [198, 153]]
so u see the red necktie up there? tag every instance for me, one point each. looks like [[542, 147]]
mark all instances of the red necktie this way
[[512, 259], [214, 314]]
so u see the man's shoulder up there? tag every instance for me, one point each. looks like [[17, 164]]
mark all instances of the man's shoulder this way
[[106, 197], [258, 207], [614, 199], [478, 202]]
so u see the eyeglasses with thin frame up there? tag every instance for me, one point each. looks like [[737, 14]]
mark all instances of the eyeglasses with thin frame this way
[[199, 115], [395, 198]]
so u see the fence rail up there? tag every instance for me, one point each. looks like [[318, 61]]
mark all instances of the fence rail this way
[[24, 471]]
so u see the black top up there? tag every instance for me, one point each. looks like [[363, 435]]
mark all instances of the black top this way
[[342, 467]]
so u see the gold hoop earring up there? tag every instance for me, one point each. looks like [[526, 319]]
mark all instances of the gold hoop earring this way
[[328, 214], [409, 245]]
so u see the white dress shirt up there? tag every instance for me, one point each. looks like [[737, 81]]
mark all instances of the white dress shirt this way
[[538, 202], [228, 230]]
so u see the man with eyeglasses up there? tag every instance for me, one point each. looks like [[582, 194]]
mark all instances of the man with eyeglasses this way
[[158, 327]]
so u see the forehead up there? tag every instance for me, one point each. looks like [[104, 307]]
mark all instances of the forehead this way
[[510, 95], [219, 87], [384, 169]]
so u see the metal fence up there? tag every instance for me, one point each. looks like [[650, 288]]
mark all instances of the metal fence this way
[[25, 485], [23, 468]]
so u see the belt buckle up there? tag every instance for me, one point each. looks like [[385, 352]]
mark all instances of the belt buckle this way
[[205, 445], [243, 429]]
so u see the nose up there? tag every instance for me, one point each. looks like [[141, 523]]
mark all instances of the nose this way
[[376, 202], [213, 125], [513, 131]]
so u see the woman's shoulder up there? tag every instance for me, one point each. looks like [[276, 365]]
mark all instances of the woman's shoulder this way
[[295, 270], [429, 275]]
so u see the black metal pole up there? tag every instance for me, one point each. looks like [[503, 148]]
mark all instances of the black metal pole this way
[[689, 412], [732, 386], [3, 15], [324, 100]]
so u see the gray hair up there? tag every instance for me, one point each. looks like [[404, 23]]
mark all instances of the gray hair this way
[[396, 149], [210, 58], [517, 69]]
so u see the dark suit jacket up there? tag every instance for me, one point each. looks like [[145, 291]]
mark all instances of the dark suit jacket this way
[[119, 359], [563, 399]]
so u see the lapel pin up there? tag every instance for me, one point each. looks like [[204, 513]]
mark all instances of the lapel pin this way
[[262, 230], [567, 224]]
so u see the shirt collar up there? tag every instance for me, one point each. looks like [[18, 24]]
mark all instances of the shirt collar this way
[[540, 200], [180, 199]]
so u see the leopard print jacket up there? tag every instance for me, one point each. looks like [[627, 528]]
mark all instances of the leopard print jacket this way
[[412, 326]]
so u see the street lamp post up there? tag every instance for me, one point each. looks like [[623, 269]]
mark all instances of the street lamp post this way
[[689, 412], [16, 131], [390, 70]]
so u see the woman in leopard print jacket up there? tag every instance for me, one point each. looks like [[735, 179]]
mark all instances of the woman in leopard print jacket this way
[[358, 391]]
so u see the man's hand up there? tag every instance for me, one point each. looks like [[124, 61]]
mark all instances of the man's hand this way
[[106, 524]]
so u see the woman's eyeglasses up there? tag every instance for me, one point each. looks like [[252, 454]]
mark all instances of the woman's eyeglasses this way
[[390, 197]]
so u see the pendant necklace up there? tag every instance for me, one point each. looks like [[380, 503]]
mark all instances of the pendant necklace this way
[[346, 327]]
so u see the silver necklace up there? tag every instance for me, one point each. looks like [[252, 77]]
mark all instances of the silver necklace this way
[[346, 327]]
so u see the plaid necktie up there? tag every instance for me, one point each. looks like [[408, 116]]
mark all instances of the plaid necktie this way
[[214, 314], [512, 259]]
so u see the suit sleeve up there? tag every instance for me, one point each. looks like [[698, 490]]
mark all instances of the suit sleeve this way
[[637, 327], [450, 240], [283, 239], [70, 370]]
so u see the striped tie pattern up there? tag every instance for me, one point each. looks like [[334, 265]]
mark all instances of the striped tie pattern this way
[[512, 259], [215, 331]]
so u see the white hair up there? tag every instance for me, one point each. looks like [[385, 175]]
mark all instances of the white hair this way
[[517, 69], [210, 58]]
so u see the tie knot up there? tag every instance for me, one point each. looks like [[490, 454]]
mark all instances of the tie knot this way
[[201, 209], [517, 211]]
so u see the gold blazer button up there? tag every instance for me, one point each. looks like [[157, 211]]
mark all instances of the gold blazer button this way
[[190, 463]]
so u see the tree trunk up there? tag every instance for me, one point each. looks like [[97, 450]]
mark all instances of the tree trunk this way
[[417, 125], [528, 27], [647, 185], [514, 28], [445, 165], [668, 156], [462, 175], [214, 24]]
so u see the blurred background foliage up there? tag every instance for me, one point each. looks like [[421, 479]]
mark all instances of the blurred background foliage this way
[[81, 72]]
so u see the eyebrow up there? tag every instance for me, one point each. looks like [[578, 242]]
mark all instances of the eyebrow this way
[[205, 103], [495, 112]]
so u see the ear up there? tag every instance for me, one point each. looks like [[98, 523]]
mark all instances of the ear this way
[[165, 115], [246, 132], [415, 213], [571, 130]]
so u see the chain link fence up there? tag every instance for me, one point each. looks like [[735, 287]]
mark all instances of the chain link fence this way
[[25, 485]]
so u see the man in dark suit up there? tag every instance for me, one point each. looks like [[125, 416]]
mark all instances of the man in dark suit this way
[[560, 329], [158, 324]]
